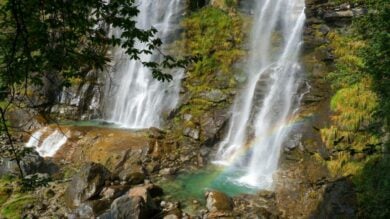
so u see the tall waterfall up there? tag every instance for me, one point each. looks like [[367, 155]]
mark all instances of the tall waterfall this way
[[262, 111], [136, 99]]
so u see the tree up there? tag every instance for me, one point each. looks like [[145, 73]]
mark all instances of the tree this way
[[57, 40]]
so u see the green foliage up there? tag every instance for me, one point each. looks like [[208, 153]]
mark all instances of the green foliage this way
[[12, 199], [58, 40], [14, 207], [374, 28], [373, 183], [34, 181], [361, 109], [349, 63], [215, 36], [5, 189], [373, 187]]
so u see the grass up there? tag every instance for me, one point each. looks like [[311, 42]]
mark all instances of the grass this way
[[353, 104], [12, 200], [14, 207]]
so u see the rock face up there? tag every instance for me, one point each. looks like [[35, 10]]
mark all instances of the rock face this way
[[86, 184], [339, 200], [218, 201], [82, 100]]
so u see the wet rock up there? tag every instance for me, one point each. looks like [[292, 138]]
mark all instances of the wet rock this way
[[214, 95], [204, 151], [218, 201], [86, 184], [192, 132], [127, 207], [212, 124]]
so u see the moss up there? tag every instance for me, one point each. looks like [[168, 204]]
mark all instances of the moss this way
[[5, 189], [12, 199], [14, 207]]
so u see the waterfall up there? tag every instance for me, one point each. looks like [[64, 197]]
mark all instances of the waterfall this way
[[136, 99], [261, 114]]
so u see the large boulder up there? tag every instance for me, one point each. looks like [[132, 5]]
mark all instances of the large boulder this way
[[212, 124], [126, 207], [86, 184], [31, 163], [218, 201], [145, 192]]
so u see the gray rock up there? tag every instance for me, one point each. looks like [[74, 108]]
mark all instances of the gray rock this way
[[214, 96], [86, 184], [144, 192], [334, 15], [218, 201], [339, 201], [85, 211], [212, 124], [126, 207], [192, 133], [32, 163]]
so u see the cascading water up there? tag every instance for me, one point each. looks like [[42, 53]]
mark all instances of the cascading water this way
[[136, 99], [47, 141], [260, 116]]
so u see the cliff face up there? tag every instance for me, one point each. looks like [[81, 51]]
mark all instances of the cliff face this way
[[306, 177]]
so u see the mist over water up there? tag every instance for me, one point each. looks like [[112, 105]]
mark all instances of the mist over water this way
[[259, 123], [135, 99]]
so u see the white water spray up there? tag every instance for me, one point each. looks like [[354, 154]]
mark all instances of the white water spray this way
[[50, 144], [260, 116], [136, 99]]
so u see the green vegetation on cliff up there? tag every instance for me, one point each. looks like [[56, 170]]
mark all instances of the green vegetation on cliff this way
[[216, 36], [358, 136]]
